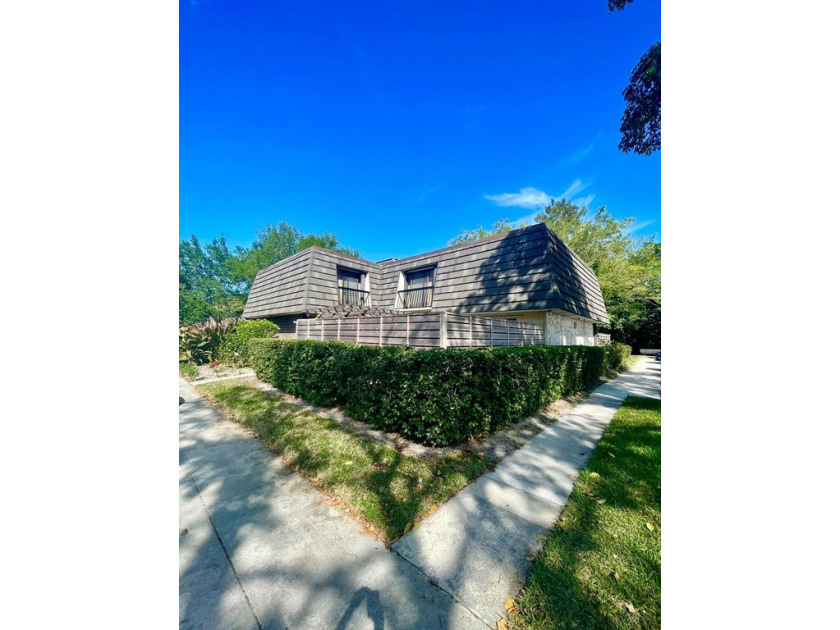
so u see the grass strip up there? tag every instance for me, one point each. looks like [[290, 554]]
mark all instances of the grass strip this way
[[389, 489], [601, 565]]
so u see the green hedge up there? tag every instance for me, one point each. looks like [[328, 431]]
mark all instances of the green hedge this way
[[618, 356], [235, 347], [437, 397]]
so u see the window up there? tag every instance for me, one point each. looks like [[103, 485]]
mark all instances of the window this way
[[351, 286], [419, 289]]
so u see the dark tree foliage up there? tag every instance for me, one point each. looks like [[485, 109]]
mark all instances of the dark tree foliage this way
[[617, 5], [641, 123]]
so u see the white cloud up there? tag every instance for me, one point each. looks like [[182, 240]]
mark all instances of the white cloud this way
[[581, 154], [583, 202], [525, 198], [535, 199], [638, 225], [576, 187]]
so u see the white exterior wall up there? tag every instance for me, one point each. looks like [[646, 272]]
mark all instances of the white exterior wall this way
[[567, 330]]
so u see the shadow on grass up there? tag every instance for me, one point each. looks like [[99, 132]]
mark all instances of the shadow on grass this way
[[389, 489], [603, 533]]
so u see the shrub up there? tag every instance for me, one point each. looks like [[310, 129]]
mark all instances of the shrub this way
[[188, 371], [235, 347], [618, 356], [437, 396], [201, 343]]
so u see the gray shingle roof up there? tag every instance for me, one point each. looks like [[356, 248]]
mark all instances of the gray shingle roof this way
[[526, 269]]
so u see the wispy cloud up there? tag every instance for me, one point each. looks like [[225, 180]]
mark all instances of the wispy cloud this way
[[431, 190], [525, 198], [576, 187], [581, 154], [583, 202], [638, 225], [535, 199]]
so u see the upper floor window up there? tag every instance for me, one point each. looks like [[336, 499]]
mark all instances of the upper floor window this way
[[419, 288], [351, 288]]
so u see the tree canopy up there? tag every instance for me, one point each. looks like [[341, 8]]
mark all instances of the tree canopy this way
[[276, 242], [214, 282], [642, 119], [617, 4], [499, 227]]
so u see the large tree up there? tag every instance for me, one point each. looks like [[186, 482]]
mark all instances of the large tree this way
[[205, 284], [641, 124], [276, 242]]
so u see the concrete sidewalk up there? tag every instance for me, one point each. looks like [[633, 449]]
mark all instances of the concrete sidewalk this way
[[265, 549], [479, 546]]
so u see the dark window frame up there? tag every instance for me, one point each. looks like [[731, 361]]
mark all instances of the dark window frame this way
[[418, 296], [350, 295]]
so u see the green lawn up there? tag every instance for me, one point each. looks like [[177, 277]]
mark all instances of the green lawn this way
[[600, 567], [388, 489]]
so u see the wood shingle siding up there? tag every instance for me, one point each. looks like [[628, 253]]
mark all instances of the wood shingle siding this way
[[279, 289], [524, 270]]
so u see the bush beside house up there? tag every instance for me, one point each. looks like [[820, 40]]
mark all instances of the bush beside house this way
[[437, 397], [618, 356], [235, 347], [221, 340], [201, 343]]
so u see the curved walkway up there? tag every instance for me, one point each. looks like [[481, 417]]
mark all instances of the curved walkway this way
[[260, 547], [479, 546]]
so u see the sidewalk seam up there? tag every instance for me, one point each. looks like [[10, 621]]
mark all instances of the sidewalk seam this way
[[225, 551], [434, 583], [499, 481]]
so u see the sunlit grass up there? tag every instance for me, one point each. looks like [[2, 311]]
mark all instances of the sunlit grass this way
[[386, 487], [600, 567]]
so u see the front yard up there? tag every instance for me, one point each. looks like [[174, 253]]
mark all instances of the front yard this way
[[601, 565], [385, 488]]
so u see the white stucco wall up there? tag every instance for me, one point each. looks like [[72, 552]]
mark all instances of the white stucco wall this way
[[565, 330]]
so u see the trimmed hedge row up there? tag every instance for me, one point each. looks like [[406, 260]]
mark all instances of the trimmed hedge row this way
[[437, 397], [235, 346], [618, 356]]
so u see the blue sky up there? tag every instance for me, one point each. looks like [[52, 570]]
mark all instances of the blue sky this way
[[396, 124]]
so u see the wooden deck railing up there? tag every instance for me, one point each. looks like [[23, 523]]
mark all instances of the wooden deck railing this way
[[424, 330]]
